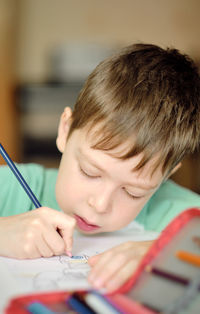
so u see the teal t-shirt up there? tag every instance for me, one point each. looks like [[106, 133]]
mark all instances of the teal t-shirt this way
[[14, 200], [168, 201]]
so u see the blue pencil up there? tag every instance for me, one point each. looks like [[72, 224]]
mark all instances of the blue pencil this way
[[39, 308], [19, 177]]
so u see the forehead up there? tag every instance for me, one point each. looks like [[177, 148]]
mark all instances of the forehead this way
[[118, 147]]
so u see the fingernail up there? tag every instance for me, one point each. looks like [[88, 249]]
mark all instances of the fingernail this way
[[69, 253]]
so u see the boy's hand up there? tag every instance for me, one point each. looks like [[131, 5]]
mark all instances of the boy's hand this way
[[42, 232], [114, 267]]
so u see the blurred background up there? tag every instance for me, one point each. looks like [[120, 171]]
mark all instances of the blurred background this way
[[48, 47]]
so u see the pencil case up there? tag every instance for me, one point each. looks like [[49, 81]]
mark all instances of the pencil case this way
[[164, 282]]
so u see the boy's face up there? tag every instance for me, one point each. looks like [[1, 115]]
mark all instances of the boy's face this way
[[101, 192]]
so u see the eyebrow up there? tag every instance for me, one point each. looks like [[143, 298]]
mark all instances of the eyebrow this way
[[140, 185], [88, 159]]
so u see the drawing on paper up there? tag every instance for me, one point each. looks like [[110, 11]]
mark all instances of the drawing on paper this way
[[58, 279], [75, 269]]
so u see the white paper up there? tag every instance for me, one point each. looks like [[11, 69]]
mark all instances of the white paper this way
[[61, 272]]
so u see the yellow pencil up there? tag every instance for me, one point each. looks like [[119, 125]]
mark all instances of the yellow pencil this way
[[189, 257]]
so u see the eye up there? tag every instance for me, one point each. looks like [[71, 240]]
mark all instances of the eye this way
[[131, 195], [86, 174]]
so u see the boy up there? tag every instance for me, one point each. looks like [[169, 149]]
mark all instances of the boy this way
[[135, 119]]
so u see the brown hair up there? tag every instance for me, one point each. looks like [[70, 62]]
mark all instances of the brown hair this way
[[147, 95]]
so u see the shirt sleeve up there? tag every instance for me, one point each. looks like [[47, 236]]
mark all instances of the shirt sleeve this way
[[13, 198], [169, 201]]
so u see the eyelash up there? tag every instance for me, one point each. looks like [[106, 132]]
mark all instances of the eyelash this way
[[93, 177], [130, 195], [86, 174]]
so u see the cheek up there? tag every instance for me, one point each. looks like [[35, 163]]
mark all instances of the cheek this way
[[125, 214], [125, 217], [70, 192], [66, 193]]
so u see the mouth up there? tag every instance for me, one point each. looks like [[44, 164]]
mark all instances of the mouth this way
[[85, 225]]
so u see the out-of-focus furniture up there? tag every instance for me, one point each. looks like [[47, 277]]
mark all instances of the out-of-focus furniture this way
[[189, 174], [9, 130]]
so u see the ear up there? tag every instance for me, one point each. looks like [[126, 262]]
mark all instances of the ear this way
[[178, 166], [63, 129]]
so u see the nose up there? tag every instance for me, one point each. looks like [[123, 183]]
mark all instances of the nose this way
[[101, 200]]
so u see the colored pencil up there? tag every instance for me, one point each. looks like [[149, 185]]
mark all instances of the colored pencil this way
[[167, 275], [38, 308], [99, 304], [80, 297], [188, 257], [19, 177]]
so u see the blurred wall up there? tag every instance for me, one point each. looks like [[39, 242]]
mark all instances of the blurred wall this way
[[47, 23]]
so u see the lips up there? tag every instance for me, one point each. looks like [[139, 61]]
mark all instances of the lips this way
[[84, 225]]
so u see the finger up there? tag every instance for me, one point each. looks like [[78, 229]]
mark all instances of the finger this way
[[94, 259], [120, 277], [67, 236], [95, 277], [104, 258], [44, 249], [102, 261], [107, 270], [66, 229], [54, 240], [63, 221], [63, 224]]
